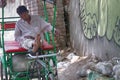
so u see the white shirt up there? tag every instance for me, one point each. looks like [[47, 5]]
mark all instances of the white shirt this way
[[35, 27]]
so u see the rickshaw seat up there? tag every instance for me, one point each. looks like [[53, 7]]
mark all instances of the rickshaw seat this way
[[8, 26], [13, 46]]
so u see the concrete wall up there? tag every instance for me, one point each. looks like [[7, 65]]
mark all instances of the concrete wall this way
[[95, 29]]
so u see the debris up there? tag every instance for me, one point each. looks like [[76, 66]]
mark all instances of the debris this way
[[104, 68], [116, 72]]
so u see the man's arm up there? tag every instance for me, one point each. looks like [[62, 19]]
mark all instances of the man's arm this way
[[46, 27]]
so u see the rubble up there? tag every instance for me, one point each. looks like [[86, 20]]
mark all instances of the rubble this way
[[74, 67]]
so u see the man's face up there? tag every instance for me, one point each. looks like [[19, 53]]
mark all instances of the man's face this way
[[24, 15]]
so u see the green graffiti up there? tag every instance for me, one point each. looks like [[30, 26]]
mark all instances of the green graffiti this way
[[113, 13], [90, 27], [117, 32], [89, 20], [102, 21], [101, 18]]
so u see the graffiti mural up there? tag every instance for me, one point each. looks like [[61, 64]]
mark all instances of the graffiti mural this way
[[89, 18], [101, 18], [117, 32]]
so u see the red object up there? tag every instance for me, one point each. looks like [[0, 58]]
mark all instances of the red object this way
[[13, 46], [47, 47], [8, 25]]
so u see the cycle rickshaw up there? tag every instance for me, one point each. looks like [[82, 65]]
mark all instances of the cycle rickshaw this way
[[42, 67]]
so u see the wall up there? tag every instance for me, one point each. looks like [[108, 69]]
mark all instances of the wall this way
[[95, 29], [10, 9]]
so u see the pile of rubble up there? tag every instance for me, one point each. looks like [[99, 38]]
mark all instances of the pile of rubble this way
[[109, 68], [74, 67], [71, 58]]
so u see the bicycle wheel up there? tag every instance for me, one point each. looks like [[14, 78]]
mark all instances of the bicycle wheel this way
[[32, 70], [35, 71]]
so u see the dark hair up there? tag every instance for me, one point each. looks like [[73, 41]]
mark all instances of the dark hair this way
[[21, 9]]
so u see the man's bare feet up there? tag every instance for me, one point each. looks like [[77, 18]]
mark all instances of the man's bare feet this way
[[37, 43]]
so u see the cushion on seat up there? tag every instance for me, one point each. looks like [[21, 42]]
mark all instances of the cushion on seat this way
[[13, 46], [46, 46], [8, 26]]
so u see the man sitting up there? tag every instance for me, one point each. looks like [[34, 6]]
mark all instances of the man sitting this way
[[30, 29]]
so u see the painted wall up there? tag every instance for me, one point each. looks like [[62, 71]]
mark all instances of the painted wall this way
[[95, 27]]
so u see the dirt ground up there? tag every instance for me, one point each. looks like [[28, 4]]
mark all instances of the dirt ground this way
[[70, 73], [79, 66]]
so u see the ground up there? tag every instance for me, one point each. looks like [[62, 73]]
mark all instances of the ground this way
[[72, 66], [71, 72]]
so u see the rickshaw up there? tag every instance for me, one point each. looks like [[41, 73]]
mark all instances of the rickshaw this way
[[40, 67]]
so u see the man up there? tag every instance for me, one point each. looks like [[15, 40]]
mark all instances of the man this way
[[30, 29]]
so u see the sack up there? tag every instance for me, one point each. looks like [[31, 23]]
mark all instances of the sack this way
[[2, 3], [20, 62]]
